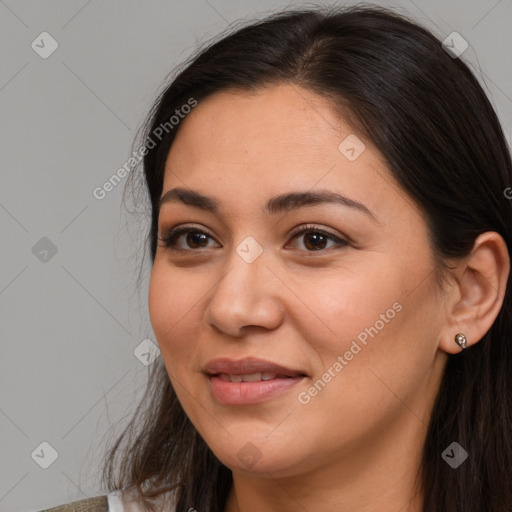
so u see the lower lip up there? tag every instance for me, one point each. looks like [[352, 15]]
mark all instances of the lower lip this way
[[246, 393]]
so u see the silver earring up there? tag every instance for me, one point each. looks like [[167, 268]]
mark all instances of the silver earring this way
[[461, 340]]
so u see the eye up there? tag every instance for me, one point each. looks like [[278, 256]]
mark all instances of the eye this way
[[314, 238], [195, 238]]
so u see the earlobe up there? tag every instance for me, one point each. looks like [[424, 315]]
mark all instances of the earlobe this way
[[479, 291]]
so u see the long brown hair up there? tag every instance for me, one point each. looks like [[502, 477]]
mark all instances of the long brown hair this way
[[431, 120]]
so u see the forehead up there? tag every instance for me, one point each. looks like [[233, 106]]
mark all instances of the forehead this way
[[242, 145], [275, 121]]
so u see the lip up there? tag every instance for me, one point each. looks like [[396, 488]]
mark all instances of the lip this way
[[248, 365], [248, 393]]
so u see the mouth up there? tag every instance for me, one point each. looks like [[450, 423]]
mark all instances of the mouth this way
[[250, 367], [250, 380], [250, 377]]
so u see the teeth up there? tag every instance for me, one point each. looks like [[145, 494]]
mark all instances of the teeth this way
[[250, 377]]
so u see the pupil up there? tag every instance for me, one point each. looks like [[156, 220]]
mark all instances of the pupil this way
[[194, 239], [318, 240]]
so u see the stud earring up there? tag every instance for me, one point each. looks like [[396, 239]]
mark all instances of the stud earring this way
[[461, 340]]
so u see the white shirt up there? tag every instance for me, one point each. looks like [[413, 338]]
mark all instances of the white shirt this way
[[118, 503]]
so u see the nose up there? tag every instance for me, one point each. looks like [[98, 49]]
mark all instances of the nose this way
[[246, 297]]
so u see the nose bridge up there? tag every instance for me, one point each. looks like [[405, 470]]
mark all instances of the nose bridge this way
[[248, 266], [246, 293]]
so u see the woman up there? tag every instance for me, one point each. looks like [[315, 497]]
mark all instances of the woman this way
[[330, 286]]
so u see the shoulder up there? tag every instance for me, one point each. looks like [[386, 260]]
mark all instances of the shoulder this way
[[96, 504], [113, 502]]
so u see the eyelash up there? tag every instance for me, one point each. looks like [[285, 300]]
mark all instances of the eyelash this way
[[169, 237]]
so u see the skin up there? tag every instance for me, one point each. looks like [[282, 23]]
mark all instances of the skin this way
[[356, 445]]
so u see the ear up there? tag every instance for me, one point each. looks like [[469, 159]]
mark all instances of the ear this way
[[478, 291]]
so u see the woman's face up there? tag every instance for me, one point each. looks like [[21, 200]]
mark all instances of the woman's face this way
[[350, 309]]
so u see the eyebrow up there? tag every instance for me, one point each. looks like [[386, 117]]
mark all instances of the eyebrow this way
[[281, 203]]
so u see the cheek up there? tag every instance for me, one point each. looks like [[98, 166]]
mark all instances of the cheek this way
[[375, 296], [172, 305], [343, 307], [383, 351], [372, 321]]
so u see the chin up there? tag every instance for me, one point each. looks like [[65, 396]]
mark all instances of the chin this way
[[256, 456]]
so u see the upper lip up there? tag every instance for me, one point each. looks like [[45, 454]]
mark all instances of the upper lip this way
[[248, 365]]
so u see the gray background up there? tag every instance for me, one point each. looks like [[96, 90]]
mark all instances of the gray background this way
[[70, 321]]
